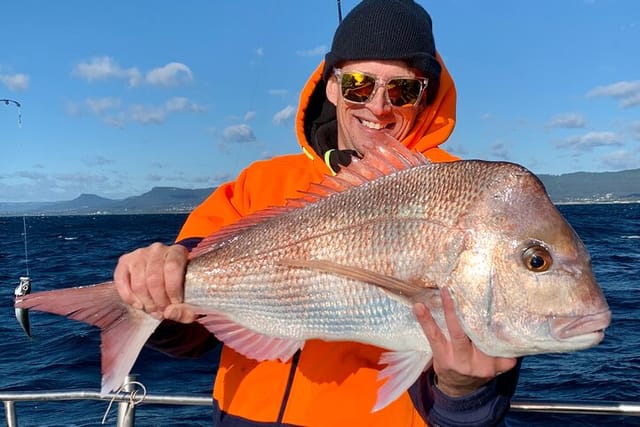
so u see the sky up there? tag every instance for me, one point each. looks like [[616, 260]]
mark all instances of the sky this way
[[120, 96]]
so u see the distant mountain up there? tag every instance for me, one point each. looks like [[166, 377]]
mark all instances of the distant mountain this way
[[84, 202], [158, 200], [578, 187], [581, 187], [165, 199]]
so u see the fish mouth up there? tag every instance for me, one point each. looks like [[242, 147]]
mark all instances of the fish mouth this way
[[568, 327]]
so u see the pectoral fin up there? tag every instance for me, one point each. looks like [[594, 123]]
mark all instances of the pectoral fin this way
[[403, 369]]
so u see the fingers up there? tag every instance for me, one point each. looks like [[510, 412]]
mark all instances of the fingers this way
[[175, 266], [148, 285], [504, 364], [127, 269], [457, 344], [453, 324], [180, 313], [459, 365], [152, 278], [431, 329]]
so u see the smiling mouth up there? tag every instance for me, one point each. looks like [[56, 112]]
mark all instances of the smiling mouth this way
[[375, 125]]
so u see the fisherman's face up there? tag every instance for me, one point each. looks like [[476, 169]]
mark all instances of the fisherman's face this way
[[376, 119]]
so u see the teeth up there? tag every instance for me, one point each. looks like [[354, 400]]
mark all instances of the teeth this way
[[372, 125]]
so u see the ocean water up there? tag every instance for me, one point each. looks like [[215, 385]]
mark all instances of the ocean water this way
[[79, 250]]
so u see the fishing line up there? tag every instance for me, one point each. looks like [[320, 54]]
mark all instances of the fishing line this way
[[26, 253], [134, 399]]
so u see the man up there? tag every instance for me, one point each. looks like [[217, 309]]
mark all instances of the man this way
[[381, 78]]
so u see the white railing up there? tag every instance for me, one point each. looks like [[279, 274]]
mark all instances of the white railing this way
[[577, 407], [130, 396]]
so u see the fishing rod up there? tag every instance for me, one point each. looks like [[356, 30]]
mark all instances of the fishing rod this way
[[8, 101]]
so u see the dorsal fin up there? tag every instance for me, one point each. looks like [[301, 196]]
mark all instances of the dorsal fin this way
[[228, 231], [381, 159]]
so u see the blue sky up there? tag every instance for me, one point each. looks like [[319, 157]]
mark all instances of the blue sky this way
[[121, 96]]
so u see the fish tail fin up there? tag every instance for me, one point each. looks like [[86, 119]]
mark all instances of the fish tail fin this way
[[124, 330]]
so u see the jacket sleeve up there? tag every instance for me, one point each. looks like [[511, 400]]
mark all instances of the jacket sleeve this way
[[485, 407]]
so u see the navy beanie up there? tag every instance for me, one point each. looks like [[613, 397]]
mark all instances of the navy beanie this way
[[387, 30]]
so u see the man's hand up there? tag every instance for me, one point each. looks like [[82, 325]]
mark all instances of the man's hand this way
[[152, 279], [459, 366]]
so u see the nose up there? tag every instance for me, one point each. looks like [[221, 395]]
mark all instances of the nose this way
[[379, 104]]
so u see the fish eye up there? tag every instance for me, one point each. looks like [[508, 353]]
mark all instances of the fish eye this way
[[537, 258]]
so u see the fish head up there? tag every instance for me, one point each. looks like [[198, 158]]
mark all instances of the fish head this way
[[525, 283], [23, 287]]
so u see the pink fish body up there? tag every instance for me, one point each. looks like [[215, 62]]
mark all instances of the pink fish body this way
[[347, 261]]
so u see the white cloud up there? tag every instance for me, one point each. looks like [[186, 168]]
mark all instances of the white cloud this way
[[104, 68], [621, 159], [25, 185], [316, 51], [635, 130], [180, 103], [147, 115], [285, 114], [238, 133], [627, 91], [115, 121], [15, 82], [171, 74], [591, 140], [567, 120], [100, 105], [250, 115], [631, 101]]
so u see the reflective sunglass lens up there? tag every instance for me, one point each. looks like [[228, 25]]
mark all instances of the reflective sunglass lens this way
[[404, 91], [357, 87], [360, 87]]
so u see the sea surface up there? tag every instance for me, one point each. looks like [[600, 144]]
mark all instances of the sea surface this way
[[65, 251]]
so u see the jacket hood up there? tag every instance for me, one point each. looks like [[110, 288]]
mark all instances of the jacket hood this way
[[316, 120]]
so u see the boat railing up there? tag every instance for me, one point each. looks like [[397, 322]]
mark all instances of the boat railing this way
[[133, 394]]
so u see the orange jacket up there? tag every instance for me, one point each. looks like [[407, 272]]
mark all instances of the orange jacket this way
[[327, 383]]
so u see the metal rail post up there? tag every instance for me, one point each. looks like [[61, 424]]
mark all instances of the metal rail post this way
[[10, 412], [127, 408]]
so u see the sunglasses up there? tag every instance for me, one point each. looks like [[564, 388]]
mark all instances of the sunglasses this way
[[360, 88]]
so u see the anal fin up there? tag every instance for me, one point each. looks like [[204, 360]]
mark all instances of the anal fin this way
[[249, 343]]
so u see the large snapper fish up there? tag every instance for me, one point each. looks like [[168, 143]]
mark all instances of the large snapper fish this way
[[347, 261]]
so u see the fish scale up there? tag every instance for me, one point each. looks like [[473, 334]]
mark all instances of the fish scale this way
[[319, 305], [347, 261]]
